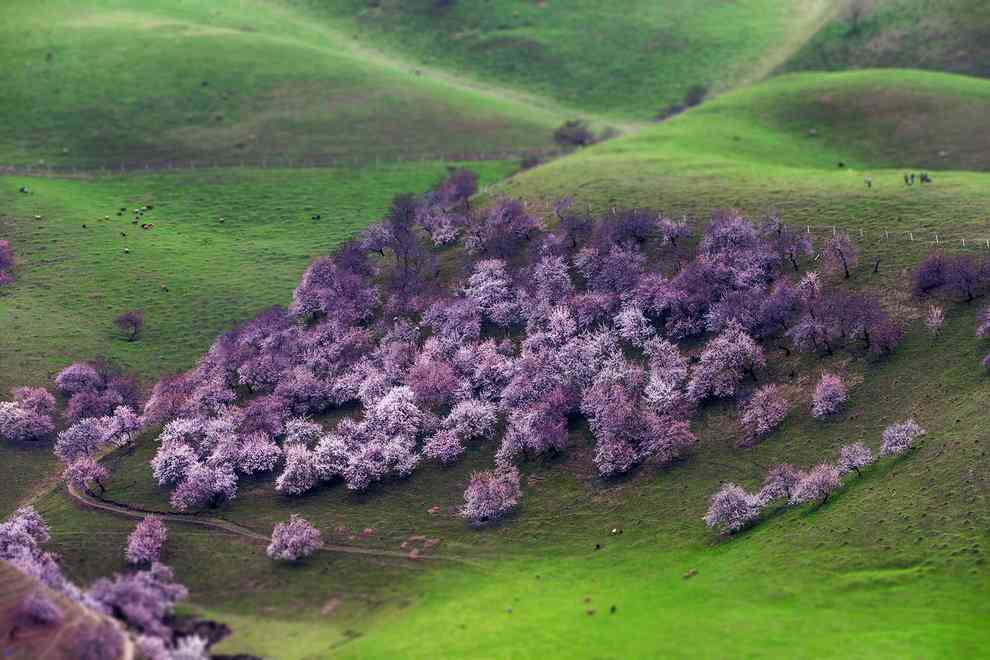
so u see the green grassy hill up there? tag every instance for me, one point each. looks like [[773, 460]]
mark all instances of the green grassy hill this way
[[106, 81], [778, 145], [892, 566], [77, 271], [941, 35], [630, 59]]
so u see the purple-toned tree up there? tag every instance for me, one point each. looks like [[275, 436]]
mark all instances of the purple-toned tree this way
[[143, 600], [816, 485], [18, 424], [830, 396], [763, 412], [144, 545], [899, 438], [35, 399], [130, 323], [780, 482], [83, 471], [205, 485], [299, 474], [490, 496], [82, 439], [731, 509], [724, 363], [78, 377], [853, 457], [294, 540], [839, 255]]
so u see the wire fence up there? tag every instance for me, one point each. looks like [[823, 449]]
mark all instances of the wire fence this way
[[351, 161]]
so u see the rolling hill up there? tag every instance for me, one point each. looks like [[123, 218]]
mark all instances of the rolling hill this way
[[893, 565], [951, 36], [112, 81]]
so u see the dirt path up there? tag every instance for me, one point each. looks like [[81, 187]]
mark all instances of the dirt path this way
[[88, 501]]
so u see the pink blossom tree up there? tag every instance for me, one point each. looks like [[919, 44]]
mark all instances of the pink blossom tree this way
[[899, 438], [82, 439], [300, 473], [935, 320], [854, 456], [816, 485], [78, 377], [21, 424], [830, 396], [732, 508], [490, 496], [83, 471], [724, 363], [294, 540], [779, 483], [839, 255], [203, 486], [763, 412], [144, 545]]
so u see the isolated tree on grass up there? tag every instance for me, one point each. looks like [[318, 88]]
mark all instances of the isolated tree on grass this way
[[764, 412], [732, 509], [899, 438], [294, 540], [935, 320], [490, 495], [130, 323], [144, 545], [830, 396]]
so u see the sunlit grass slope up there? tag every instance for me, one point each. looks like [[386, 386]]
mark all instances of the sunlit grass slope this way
[[630, 58], [104, 81], [803, 144]]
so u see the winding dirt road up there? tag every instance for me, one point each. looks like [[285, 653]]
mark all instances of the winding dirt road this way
[[90, 502]]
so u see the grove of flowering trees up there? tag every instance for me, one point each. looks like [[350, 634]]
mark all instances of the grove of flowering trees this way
[[294, 540], [625, 320]]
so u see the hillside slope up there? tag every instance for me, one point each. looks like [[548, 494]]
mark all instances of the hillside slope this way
[[892, 565], [126, 80], [803, 144], [630, 59], [940, 35]]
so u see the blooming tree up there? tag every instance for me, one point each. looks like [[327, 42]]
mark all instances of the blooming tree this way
[[490, 495], [724, 362], [779, 483], [853, 457], [817, 485], [144, 545], [732, 508], [764, 412], [899, 438], [294, 540], [83, 471], [935, 320], [830, 396]]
